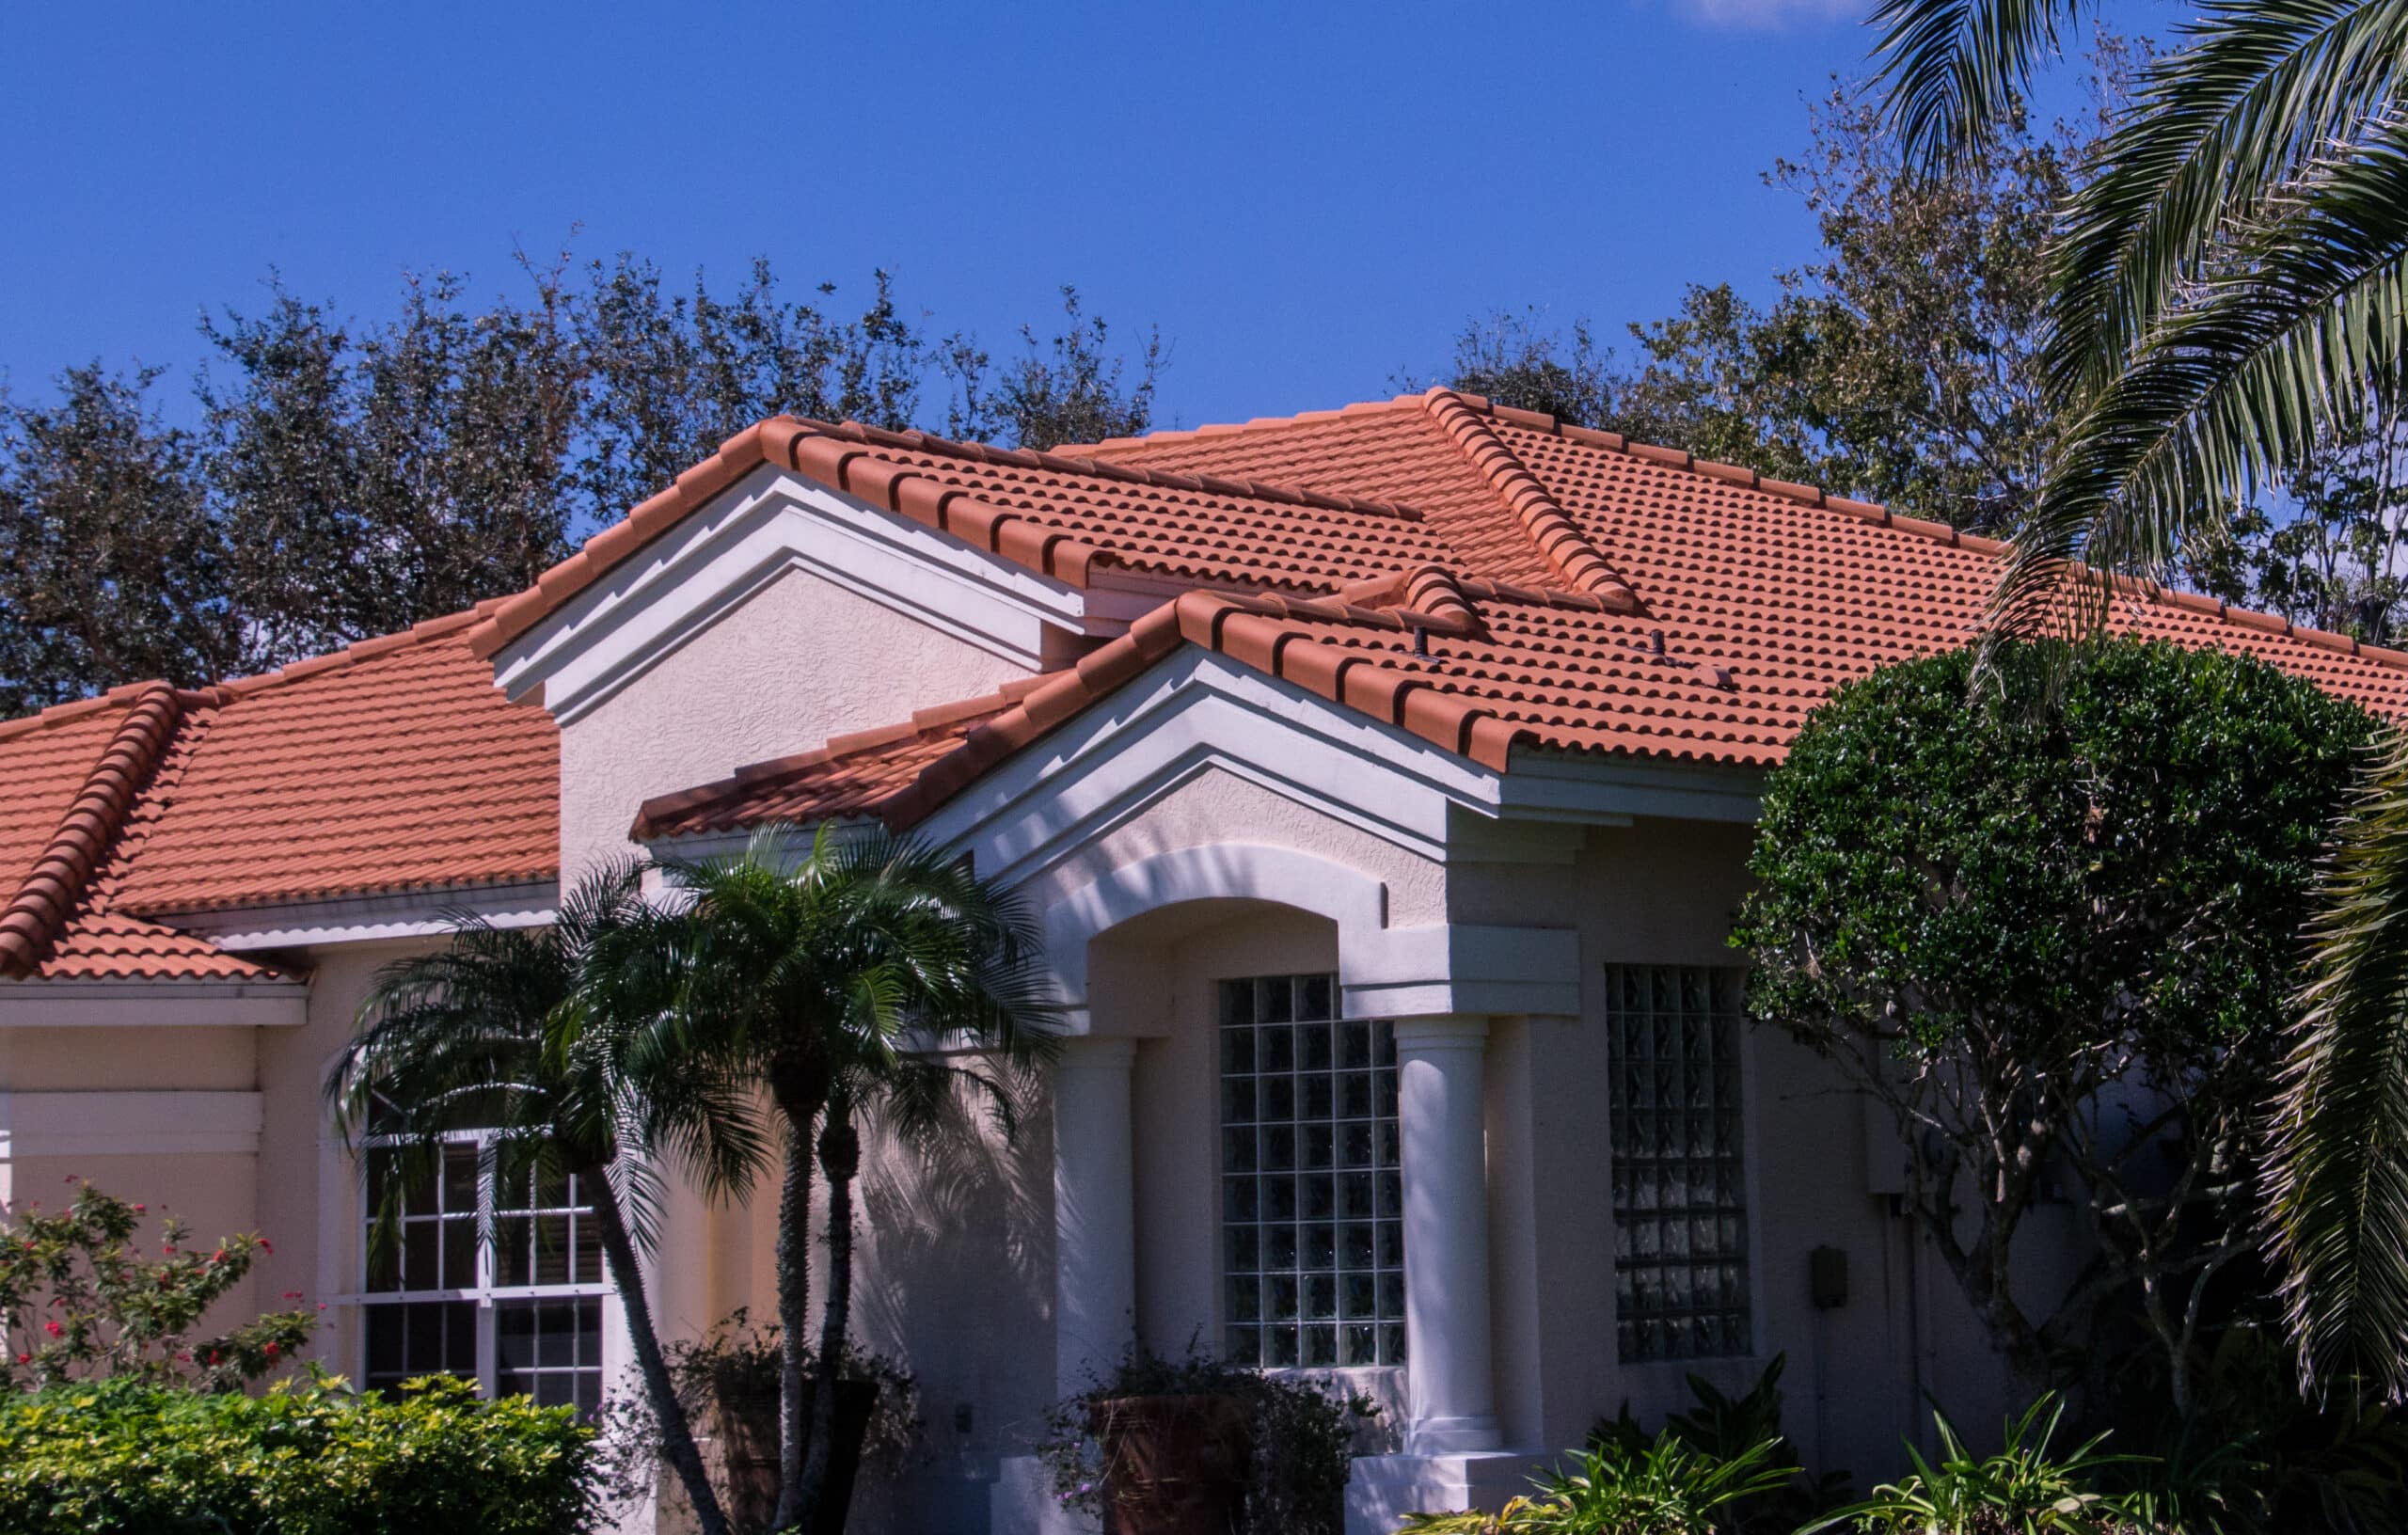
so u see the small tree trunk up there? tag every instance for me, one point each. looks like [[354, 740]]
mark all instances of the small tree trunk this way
[[840, 1158], [676, 1433], [794, 1298]]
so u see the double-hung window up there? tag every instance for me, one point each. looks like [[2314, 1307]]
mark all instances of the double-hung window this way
[[1312, 1227], [1681, 1288], [494, 1276]]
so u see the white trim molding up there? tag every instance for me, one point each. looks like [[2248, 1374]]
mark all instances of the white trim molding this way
[[184, 1124], [766, 524], [1382, 972], [153, 1003], [369, 919]]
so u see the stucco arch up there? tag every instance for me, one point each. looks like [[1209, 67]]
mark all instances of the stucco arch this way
[[1355, 901]]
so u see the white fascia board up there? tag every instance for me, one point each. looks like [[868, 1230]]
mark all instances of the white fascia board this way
[[1190, 713], [129, 1124], [153, 1003], [371, 919], [753, 532], [1589, 789]]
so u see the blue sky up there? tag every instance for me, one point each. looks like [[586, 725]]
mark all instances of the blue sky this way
[[1303, 197]]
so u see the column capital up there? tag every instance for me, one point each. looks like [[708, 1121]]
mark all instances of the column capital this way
[[1441, 1031]]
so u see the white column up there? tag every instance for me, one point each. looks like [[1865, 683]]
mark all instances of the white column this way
[[1451, 1387], [1095, 1212]]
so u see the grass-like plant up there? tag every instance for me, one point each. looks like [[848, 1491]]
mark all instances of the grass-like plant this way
[[1617, 1487], [2024, 1489]]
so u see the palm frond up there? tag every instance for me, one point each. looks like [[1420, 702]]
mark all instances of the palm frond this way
[[2339, 1179], [1955, 68], [2302, 324], [2259, 93]]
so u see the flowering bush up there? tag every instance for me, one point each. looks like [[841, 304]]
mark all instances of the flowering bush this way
[[80, 1300], [308, 1457]]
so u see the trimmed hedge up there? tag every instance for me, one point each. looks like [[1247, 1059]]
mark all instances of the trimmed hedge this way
[[309, 1458]]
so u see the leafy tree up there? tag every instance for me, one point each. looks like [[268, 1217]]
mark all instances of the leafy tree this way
[[349, 479], [813, 974], [2227, 297], [1513, 359], [80, 1301], [1065, 390], [672, 376], [2051, 935], [111, 568], [554, 1037], [363, 481]]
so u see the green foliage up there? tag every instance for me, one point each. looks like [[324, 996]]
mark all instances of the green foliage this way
[[79, 1302], [2024, 1489], [1064, 389], [1620, 1487], [729, 1378], [1513, 359], [306, 1458], [1724, 1428], [1303, 1437], [349, 478], [1995, 917]]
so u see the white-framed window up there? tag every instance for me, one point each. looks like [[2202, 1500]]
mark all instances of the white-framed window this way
[[1312, 1227], [519, 1314], [1679, 1138]]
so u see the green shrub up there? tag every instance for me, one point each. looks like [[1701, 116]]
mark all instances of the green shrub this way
[[309, 1458], [1616, 1487], [2025, 1489], [1724, 1428]]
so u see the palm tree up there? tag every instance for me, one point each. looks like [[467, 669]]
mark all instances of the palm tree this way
[[2232, 281], [545, 1034], [824, 978]]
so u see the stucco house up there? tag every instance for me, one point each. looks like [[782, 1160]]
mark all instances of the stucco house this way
[[1384, 778]]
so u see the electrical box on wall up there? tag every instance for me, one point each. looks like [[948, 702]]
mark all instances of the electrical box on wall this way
[[1826, 1278]]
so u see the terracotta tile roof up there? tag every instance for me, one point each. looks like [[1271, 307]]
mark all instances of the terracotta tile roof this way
[[393, 764], [1675, 608]]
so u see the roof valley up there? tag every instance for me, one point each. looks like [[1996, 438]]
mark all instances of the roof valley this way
[[1568, 550]]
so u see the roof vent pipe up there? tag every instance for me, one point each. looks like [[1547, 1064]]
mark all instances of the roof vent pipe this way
[[1655, 644]]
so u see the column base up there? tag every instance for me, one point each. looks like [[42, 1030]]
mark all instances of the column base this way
[[1452, 1435], [1385, 1488]]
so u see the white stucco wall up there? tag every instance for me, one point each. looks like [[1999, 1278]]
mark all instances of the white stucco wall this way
[[797, 662]]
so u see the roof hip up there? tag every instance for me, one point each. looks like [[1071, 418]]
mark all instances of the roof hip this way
[[1583, 567], [51, 888]]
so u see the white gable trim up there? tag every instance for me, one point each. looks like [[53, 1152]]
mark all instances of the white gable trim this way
[[767, 524], [1194, 712]]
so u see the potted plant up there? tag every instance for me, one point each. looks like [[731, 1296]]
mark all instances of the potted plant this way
[[728, 1380], [1200, 1447]]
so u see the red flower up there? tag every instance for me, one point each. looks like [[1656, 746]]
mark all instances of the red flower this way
[[24, 1358], [266, 1247], [51, 1328], [218, 1257], [291, 1294], [272, 1351]]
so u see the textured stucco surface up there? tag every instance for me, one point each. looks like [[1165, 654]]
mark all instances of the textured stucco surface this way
[[800, 660]]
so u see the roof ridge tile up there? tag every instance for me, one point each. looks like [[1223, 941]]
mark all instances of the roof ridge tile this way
[[48, 894], [1583, 567]]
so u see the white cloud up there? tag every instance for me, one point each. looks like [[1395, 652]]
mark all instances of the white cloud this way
[[1771, 14]]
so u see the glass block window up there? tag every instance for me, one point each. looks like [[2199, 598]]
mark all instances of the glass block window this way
[[1312, 1229], [495, 1279], [1679, 1162]]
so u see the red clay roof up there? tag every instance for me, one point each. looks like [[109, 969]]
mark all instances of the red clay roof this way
[[1482, 577], [392, 765], [1664, 607]]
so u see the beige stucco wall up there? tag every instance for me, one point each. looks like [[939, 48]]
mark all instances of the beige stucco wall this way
[[797, 662]]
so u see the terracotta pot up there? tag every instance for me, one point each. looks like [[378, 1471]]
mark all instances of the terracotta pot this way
[[749, 1457], [1173, 1465]]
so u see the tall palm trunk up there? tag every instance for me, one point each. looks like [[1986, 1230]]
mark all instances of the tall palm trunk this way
[[793, 1298], [677, 1434], [840, 1158]]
